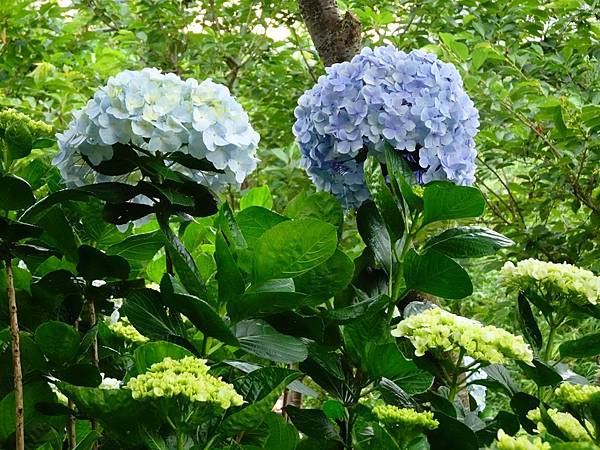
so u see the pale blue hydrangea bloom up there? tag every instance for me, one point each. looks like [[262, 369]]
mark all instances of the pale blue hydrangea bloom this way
[[413, 102], [162, 114]]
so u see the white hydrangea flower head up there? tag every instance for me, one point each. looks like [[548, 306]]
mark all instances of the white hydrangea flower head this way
[[406, 418], [576, 394], [579, 285], [523, 442], [186, 378], [123, 328], [564, 421], [437, 329], [161, 114]]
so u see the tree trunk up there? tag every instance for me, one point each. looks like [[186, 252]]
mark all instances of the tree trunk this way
[[16, 352], [336, 38]]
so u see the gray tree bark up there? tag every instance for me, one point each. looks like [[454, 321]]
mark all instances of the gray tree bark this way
[[336, 37]]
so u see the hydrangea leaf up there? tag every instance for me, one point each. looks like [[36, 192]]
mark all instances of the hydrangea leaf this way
[[468, 242], [292, 248], [436, 274], [446, 201], [15, 193]]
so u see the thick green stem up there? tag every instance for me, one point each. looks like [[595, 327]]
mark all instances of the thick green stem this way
[[550, 343], [180, 441], [16, 352]]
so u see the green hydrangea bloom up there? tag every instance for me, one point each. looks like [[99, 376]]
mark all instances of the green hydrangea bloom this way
[[565, 422], [184, 378], [437, 329], [578, 284], [576, 394], [407, 418], [506, 442], [10, 117], [125, 330]]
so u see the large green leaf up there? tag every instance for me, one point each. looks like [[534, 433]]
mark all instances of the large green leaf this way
[[139, 248], [282, 435], [443, 200], [261, 339], [386, 361], [146, 311], [541, 373], [257, 196], [383, 198], [584, 347], [33, 393], [436, 274], [374, 233], [255, 220], [528, 324], [230, 280], [199, 312], [313, 423], [449, 432], [182, 261], [327, 278], [260, 389], [403, 177], [316, 205], [58, 340], [292, 248], [15, 193], [468, 242], [266, 298], [19, 141], [94, 264]]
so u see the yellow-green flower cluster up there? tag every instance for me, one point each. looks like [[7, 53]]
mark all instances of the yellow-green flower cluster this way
[[406, 418], [576, 394], [125, 330], [437, 329], [507, 442], [187, 378], [578, 283], [565, 422], [9, 117]]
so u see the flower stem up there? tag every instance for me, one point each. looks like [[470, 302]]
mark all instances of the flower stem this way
[[16, 351], [180, 441]]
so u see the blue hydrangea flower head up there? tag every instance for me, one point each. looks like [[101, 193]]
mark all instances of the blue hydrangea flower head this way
[[161, 114], [411, 101]]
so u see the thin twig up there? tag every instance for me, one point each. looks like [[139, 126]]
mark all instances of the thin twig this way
[[16, 352]]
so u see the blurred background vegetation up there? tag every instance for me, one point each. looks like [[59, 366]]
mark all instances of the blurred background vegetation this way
[[531, 67]]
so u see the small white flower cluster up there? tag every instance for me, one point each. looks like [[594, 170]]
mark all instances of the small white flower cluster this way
[[436, 329], [161, 114], [579, 284]]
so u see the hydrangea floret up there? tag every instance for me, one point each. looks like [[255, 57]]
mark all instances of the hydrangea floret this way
[[576, 394], [406, 418], [412, 102], [437, 329], [577, 284], [523, 442], [160, 114], [186, 378], [125, 330], [564, 421]]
